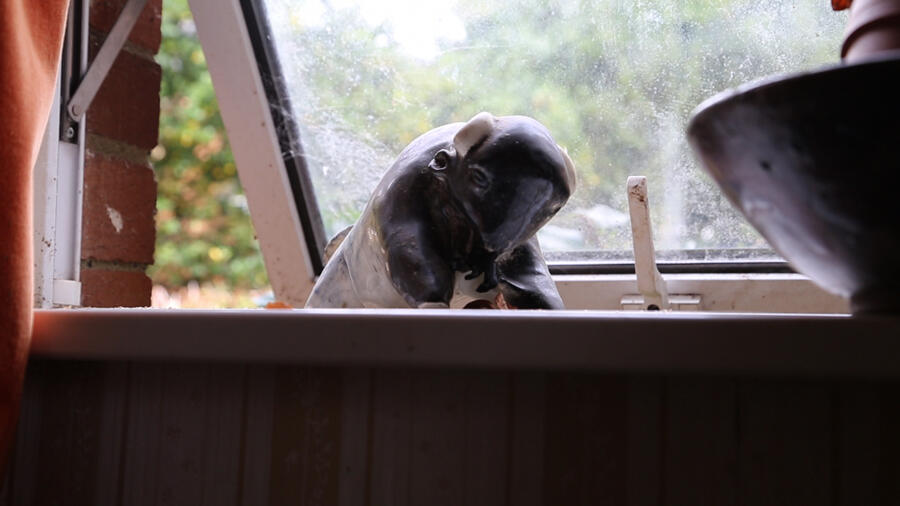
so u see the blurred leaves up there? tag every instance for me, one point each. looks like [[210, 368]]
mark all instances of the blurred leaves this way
[[614, 82], [204, 232]]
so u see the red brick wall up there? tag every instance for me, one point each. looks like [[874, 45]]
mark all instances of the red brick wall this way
[[119, 187]]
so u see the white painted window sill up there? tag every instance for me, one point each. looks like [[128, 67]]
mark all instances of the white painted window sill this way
[[639, 342]]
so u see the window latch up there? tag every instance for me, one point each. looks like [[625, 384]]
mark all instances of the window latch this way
[[654, 295], [104, 60]]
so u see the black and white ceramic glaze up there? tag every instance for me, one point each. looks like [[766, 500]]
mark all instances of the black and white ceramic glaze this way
[[456, 216]]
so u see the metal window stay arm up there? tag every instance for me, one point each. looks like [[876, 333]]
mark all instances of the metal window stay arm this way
[[104, 60]]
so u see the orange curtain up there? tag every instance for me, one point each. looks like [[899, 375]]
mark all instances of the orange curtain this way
[[30, 44]]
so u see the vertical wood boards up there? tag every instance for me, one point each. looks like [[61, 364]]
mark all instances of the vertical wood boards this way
[[443, 437], [224, 425], [526, 433], [858, 445], [256, 439], [389, 469], [889, 456], [183, 434], [700, 442], [356, 430], [112, 429], [179, 435], [109, 433], [67, 452], [585, 439], [305, 436], [22, 470], [438, 458], [644, 466], [439, 437], [165, 436], [785, 448], [486, 441], [5, 491]]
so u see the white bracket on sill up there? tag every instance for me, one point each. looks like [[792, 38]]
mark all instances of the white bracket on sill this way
[[651, 285], [104, 60]]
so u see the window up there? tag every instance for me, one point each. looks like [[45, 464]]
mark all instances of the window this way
[[348, 85], [615, 82]]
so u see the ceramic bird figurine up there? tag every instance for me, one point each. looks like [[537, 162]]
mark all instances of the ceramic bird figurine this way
[[456, 216]]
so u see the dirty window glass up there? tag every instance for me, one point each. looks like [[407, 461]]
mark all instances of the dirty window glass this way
[[614, 81]]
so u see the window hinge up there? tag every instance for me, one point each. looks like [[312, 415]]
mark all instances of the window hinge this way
[[104, 60], [651, 285]]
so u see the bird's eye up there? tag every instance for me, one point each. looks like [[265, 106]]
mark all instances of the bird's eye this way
[[479, 178]]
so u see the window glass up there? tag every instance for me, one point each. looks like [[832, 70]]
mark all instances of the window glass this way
[[614, 81]]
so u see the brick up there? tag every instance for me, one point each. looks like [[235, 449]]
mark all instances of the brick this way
[[146, 32], [118, 211], [126, 107], [114, 288]]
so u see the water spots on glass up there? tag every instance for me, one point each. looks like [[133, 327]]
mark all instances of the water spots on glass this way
[[615, 82]]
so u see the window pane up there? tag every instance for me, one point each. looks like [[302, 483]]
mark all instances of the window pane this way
[[614, 81]]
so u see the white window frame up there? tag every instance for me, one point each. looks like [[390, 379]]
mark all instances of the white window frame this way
[[58, 187]]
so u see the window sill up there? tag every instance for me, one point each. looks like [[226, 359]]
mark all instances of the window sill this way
[[640, 342]]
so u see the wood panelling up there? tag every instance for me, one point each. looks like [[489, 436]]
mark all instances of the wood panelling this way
[[305, 444], [525, 479], [644, 422], [857, 448], [185, 433], [785, 443], [356, 426], [487, 420], [256, 439], [22, 470], [437, 442], [5, 491], [889, 456], [585, 439], [701, 442], [224, 427], [113, 424], [390, 442]]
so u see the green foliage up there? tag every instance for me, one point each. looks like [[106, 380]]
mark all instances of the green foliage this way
[[614, 81], [204, 232]]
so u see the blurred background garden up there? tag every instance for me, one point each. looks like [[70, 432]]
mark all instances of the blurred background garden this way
[[206, 251], [614, 81]]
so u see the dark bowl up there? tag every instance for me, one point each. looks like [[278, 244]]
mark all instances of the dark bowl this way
[[813, 162]]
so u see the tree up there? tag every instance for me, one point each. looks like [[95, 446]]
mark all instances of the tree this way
[[614, 81], [203, 227]]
